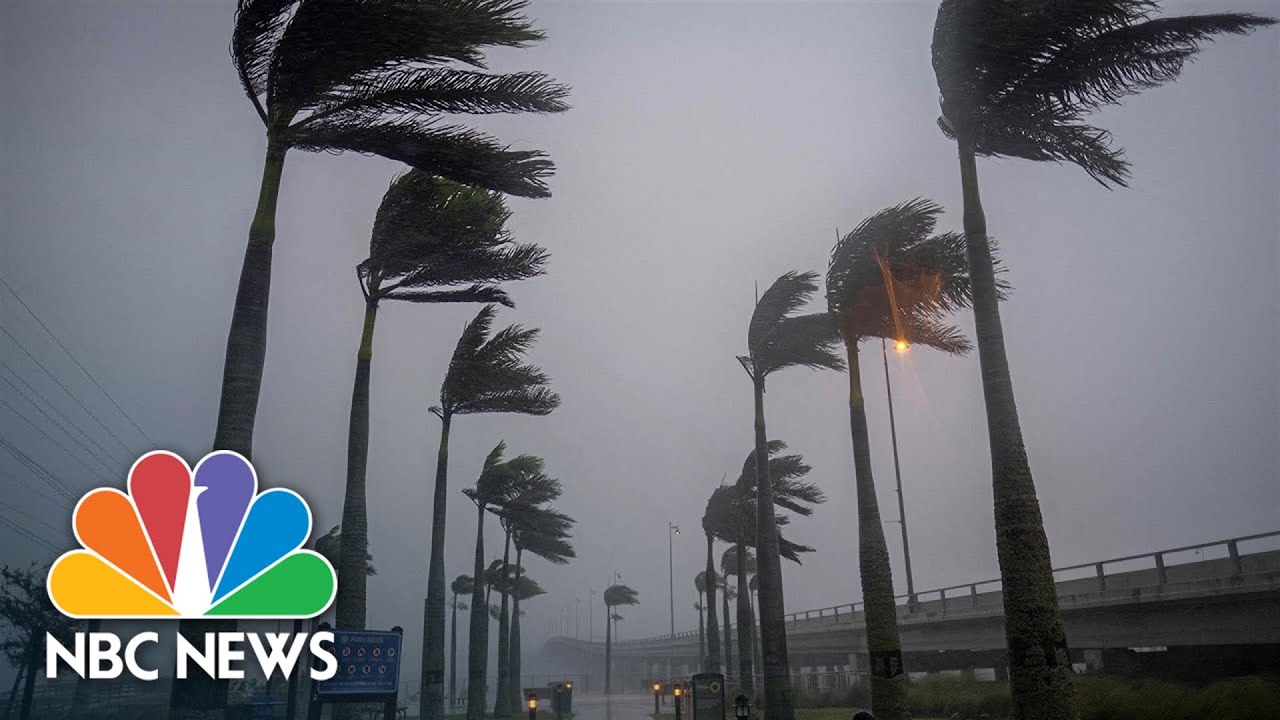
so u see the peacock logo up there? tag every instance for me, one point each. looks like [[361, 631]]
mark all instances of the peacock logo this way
[[185, 544]]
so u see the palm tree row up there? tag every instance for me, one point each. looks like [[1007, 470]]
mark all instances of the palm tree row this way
[[381, 78]]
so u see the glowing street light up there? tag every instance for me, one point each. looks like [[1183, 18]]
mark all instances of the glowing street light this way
[[901, 346]]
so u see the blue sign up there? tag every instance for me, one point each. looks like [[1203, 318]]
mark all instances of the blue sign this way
[[368, 663]]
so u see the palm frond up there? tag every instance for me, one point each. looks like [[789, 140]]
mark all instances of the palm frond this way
[[486, 375], [259, 25], [453, 151], [799, 341], [790, 292], [1017, 78], [616, 595], [473, 294]]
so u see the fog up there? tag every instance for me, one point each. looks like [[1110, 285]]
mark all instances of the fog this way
[[710, 148]]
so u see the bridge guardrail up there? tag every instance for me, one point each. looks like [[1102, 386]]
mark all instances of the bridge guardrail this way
[[1159, 564]]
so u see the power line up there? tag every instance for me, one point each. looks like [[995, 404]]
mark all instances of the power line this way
[[31, 517], [76, 360], [76, 440], [33, 537], [65, 389], [39, 470], [51, 439]]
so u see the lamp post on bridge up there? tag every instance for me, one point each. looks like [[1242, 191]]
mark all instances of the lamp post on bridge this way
[[900, 346]]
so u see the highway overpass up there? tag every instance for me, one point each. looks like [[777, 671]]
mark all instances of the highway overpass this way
[[1192, 612]]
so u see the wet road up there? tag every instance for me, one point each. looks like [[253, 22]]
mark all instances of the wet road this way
[[631, 706]]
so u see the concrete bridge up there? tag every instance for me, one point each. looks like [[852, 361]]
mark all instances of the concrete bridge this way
[[1192, 612]]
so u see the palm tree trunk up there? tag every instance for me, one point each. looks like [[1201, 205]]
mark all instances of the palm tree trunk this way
[[713, 631], [13, 691], [514, 674], [478, 647], [29, 683], [727, 635], [502, 700], [353, 552], [888, 678], [247, 340], [755, 634], [746, 670], [1039, 663], [773, 628], [608, 648], [431, 704], [453, 652], [242, 364], [702, 634]]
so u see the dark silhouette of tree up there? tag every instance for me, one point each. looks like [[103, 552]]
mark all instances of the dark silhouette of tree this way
[[1018, 79], [26, 615], [614, 596], [700, 584], [731, 515], [710, 583], [500, 479], [461, 585], [890, 278], [487, 374], [778, 339], [433, 241], [375, 78], [542, 532]]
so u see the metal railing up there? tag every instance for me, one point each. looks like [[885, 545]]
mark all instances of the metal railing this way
[[1233, 553]]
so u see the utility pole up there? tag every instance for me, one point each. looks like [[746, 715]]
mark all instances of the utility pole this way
[[897, 472]]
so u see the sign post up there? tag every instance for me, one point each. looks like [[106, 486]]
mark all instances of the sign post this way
[[708, 696], [368, 671]]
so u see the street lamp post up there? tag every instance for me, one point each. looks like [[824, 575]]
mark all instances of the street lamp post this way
[[672, 531], [900, 346]]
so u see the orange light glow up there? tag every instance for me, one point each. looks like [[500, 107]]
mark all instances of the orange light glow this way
[[901, 346]]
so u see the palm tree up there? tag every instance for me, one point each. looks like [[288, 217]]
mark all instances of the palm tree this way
[[530, 493], [433, 241], [890, 278], [731, 514], [329, 546], [544, 533], [374, 78], [486, 375], [700, 584], [710, 583], [1017, 79], [499, 479], [738, 562], [462, 585], [729, 593], [614, 596], [777, 339]]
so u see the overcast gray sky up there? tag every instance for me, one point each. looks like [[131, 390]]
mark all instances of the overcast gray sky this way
[[710, 147]]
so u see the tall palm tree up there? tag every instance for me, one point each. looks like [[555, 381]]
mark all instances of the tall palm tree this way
[[498, 481], [462, 585], [614, 596], [375, 78], [890, 278], [1017, 79], [433, 241], [728, 592], [778, 339], [487, 374], [700, 584], [530, 493], [543, 532], [710, 583], [329, 546], [732, 517]]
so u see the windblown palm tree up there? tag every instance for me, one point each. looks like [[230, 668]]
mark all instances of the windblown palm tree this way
[[433, 241], [778, 339], [890, 278], [614, 596], [531, 492], [376, 78], [545, 533], [462, 585], [487, 374], [732, 514], [498, 482], [710, 583], [1017, 79], [329, 546]]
